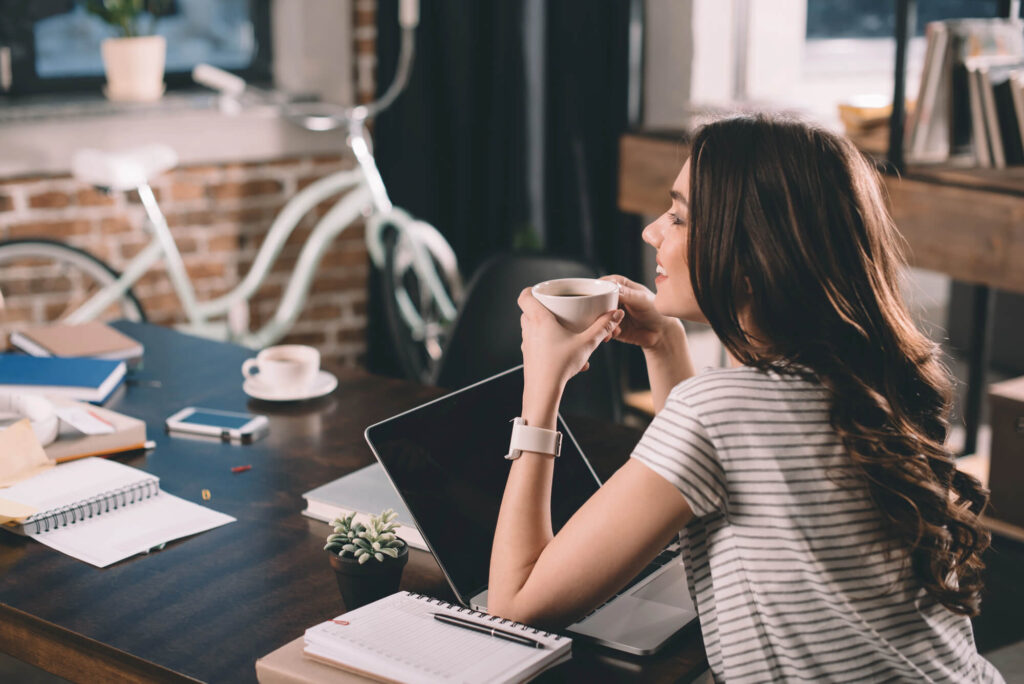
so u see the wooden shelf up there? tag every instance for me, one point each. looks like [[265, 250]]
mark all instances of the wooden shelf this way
[[966, 223], [1009, 180]]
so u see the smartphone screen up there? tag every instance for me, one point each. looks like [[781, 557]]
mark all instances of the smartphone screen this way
[[230, 421]]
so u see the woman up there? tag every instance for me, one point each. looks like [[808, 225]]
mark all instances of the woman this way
[[827, 535]]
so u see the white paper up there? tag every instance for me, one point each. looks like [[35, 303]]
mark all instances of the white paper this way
[[84, 420], [109, 534], [136, 528]]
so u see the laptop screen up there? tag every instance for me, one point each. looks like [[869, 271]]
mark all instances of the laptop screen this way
[[446, 460]]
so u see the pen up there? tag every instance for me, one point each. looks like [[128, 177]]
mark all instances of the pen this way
[[484, 629]]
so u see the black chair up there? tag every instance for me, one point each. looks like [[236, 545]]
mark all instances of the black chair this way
[[486, 336]]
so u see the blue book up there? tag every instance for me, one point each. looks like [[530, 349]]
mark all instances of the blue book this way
[[83, 379]]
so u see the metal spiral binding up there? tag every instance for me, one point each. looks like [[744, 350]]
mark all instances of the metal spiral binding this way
[[490, 618], [95, 505]]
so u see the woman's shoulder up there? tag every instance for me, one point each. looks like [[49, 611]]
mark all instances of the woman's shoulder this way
[[743, 382]]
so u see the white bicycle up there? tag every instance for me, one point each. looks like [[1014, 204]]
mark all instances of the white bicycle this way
[[421, 277]]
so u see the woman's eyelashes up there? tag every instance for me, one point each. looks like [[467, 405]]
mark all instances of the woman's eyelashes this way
[[676, 220]]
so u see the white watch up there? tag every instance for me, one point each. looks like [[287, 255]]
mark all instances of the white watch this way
[[535, 439]]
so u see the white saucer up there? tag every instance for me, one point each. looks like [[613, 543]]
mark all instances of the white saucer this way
[[324, 383]]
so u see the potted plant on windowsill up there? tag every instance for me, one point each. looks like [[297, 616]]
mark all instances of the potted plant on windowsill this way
[[133, 61], [367, 559]]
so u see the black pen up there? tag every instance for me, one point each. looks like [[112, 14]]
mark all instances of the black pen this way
[[484, 629]]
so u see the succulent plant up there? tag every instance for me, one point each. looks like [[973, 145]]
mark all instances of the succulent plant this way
[[377, 540]]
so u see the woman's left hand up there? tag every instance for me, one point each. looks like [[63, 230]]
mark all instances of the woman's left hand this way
[[553, 354]]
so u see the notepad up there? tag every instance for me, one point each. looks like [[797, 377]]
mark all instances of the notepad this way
[[102, 511], [398, 639]]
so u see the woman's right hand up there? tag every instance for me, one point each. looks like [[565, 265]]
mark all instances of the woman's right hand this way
[[642, 325]]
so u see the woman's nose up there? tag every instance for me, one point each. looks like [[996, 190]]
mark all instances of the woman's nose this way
[[651, 234]]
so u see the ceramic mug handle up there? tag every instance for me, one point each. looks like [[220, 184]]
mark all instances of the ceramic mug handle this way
[[247, 366]]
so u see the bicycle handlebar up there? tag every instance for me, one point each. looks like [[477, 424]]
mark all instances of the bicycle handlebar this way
[[325, 117], [409, 13], [218, 79]]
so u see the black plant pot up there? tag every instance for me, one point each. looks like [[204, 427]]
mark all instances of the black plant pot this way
[[362, 584]]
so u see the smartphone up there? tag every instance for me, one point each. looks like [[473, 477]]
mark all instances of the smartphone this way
[[228, 426]]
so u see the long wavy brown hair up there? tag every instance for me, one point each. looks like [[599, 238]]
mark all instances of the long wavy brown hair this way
[[789, 224]]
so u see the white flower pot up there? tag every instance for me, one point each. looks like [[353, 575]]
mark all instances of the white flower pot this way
[[135, 68]]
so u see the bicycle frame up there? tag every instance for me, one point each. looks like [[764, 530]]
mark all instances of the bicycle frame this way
[[365, 194]]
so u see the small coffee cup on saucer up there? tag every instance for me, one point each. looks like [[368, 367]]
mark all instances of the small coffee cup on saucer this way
[[287, 372], [577, 302]]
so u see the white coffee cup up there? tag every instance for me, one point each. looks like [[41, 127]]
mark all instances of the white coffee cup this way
[[284, 368], [577, 302]]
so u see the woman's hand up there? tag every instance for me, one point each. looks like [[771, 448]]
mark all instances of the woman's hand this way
[[553, 354], [642, 325]]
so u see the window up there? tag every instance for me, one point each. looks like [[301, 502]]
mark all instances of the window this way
[[55, 44], [833, 19], [845, 49]]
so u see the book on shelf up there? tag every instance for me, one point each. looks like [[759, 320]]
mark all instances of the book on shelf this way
[[102, 511], [365, 492], [999, 125], [979, 128], [125, 433], [84, 379], [94, 339], [398, 638], [1017, 92], [998, 78], [929, 124], [945, 124]]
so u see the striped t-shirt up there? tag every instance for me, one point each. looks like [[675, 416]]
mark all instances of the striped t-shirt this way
[[786, 555]]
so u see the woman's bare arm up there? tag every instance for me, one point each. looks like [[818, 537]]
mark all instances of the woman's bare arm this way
[[552, 581]]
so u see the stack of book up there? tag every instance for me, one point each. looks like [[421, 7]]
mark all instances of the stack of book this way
[[970, 105]]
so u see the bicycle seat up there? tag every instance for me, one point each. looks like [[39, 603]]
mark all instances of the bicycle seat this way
[[124, 170]]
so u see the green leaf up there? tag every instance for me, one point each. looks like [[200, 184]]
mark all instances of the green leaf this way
[[363, 558], [390, 552], [363, 544], [351, 548]]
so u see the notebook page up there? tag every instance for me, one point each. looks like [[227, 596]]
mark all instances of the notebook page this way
[[73, 482], [116, 535], [397, 637]]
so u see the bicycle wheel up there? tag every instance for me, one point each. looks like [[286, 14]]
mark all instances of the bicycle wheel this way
[[44, 281]]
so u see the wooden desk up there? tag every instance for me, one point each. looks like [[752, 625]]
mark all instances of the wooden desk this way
[[205, 608]]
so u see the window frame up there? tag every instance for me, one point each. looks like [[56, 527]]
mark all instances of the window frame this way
[[25, 80]]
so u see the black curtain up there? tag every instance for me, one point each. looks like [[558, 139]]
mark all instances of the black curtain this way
[[453, 148]]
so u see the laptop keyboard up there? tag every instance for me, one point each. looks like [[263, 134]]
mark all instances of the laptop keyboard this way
[[663, 558]]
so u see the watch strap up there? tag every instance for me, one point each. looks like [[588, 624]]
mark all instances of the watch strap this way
[[528, 438]]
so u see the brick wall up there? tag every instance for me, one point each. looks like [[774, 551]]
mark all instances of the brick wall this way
[[364, 33], [219, 215]]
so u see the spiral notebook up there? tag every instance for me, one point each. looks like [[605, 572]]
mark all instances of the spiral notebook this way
[[398, 639], [102, 511]]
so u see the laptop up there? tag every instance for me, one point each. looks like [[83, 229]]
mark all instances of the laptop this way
[[445, 459]]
